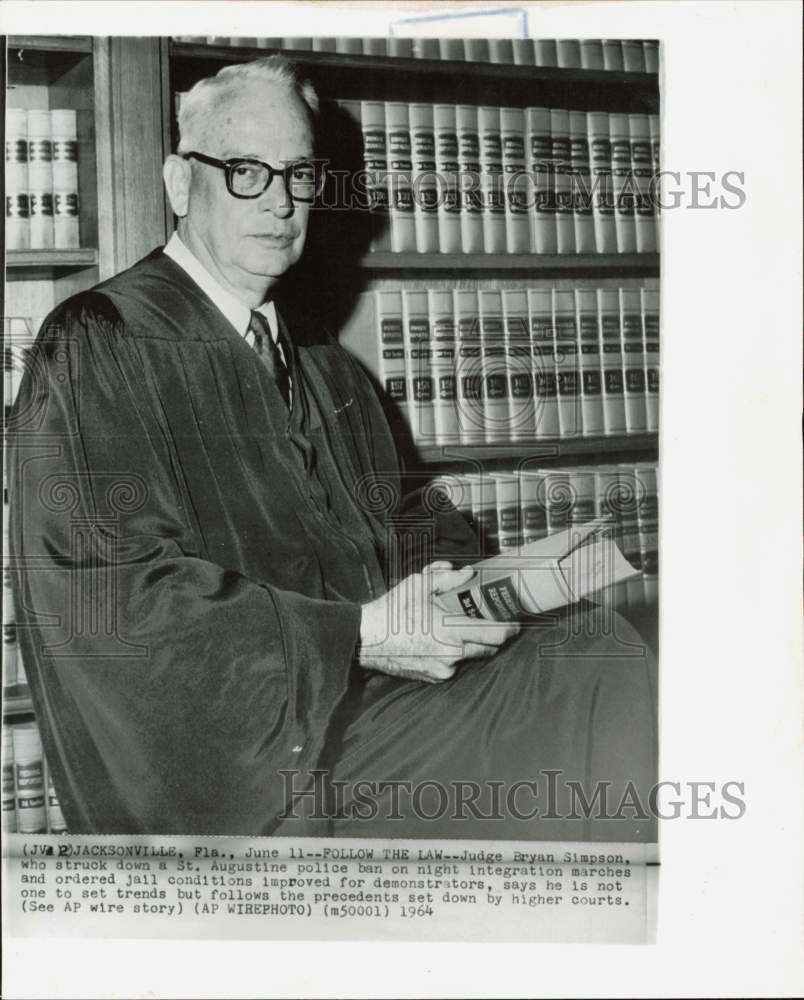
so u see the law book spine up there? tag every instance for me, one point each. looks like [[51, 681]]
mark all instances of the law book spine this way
[[501, 50], [568, 53], [325, 44], [608, 504], [9, 823], [418, 373], [611, 358], [523, 52], [466, 126], [29, 781], [642, 169], [581, 184], [442, 339], [565, 345], [538, 151], [612, 54], [391, 350], [400, 192], [636, 420], [55, 817], [650, 52], [589, 366], [519, 364], [655, 184], [375, 159], [622, 183], [545, 52], [426, 48], [491, 180], [562, 177], [64, 131], [650, 343], [516, 187], [545, 402], [533, 513], [468, 371], [648, 521], [423, 178], [476, 50], [451, 49], [18, 226], [447, 168], [592, 53], [629, 503], [633, 55], [602, 192], [10, 648], [509, 513], [484, 498], [375, 46], [401, 48], [494, 365], [347, 45], [40, 179]]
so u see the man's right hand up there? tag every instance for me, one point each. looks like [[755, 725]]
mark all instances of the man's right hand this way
[[405, 633]]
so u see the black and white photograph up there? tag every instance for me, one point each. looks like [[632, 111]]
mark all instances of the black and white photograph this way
[[336, 454]]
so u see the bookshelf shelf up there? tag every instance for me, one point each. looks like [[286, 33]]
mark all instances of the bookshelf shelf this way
[[547, 449], [42, 60], [17, 700], [435, 77], [588, 265], [21, 263]]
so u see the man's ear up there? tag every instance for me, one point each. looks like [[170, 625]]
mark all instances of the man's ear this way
[[177, 174]]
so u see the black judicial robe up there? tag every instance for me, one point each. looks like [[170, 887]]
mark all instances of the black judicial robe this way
[[190, 563]]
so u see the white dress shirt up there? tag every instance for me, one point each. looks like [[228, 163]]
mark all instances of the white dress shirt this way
[[239, 315]]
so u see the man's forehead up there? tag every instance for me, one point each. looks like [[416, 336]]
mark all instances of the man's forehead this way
[[267, 113]]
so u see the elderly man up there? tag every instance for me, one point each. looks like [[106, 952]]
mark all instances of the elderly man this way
[[203, 597]]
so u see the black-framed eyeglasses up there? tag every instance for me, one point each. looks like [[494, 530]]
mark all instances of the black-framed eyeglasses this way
[[249, 178]]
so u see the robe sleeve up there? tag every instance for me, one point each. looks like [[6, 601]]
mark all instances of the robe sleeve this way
[[170, 691]]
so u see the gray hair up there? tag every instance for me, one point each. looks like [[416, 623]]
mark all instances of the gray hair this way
[[203, 101]]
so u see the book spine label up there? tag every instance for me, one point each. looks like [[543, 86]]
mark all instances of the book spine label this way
[[602, 192], [418, 371], [589, 366], [636, 420], [538, 149], [581, 182], [468, 369], [442, 341], [622, 183], [545, 401], [375, 160], [509, 514], [517, 188], [491, 180], [611, 360], [650, 340], [18, 229], [562, 177], [534, 515], [400, 192], [519, 364], [471, 193], [642, 170], [565, 344], [447, 167], [424, 180], [392, 352], [494, 367]]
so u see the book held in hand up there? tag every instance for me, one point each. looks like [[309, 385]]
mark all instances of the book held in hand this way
[[541, 576]]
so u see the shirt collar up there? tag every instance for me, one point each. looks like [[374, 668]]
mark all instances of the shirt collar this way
[[238, 314]]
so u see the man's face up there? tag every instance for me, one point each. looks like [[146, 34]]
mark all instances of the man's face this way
[[261, 237]]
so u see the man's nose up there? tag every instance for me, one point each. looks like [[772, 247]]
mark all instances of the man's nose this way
[[276, 198]]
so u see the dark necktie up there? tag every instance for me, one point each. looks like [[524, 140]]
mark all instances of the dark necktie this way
[[269, 354]]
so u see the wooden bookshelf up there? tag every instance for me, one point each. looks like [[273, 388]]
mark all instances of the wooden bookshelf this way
[[52, 262], [546, 449], [543, 265]]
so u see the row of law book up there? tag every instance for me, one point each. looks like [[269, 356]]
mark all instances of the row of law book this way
[[489, 366], [42, 209], [12, 665], [512, 508], [30, 804], [629, 55], [447, 178]]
